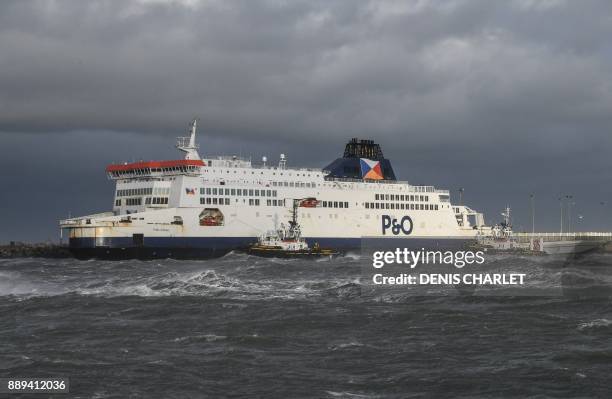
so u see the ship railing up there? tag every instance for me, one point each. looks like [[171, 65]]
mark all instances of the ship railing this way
[[416, 189], [573, 236], [83, 219], [185, 142], [271, 167]]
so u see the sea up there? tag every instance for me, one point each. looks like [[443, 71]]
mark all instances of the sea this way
[[247, 327]]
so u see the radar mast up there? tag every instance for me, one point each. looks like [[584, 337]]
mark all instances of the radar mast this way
[[188, 144]]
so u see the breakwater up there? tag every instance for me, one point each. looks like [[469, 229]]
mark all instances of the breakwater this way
[[40, 250]]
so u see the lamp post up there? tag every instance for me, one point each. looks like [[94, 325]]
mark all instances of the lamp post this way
[[569, 212], [532, 196], [561, 209]]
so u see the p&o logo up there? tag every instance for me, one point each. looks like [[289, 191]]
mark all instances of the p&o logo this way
[[404, 225]]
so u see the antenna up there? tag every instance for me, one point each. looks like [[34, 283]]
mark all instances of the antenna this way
[[282, 164], [188, 144]]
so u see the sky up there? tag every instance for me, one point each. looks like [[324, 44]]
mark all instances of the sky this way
[[501, 98]]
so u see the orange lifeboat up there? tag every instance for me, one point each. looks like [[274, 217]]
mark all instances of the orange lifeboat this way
[[309, 203]]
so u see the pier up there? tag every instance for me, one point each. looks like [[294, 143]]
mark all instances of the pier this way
[[579, 241]]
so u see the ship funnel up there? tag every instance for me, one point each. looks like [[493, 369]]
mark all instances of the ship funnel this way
[[188, 144]]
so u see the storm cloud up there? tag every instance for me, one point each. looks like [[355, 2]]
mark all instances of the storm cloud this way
[[502, 98]]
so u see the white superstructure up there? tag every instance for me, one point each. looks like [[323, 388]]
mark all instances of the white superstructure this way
[[208, 205]]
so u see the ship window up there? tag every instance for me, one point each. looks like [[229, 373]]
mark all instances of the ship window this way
[[250, 192], [257, 201], [341, 205], [376, 197], [257, 193], [269, 193], [274, 193], [436, 207], [421, 206], [209, 200], [387, 197], [427, 198], [214, 201], [227, 201], [233, 191], [367, 205], [203, 200], [346, 204], [227, 191], [426, 207], [133, 201], [335, 204], [214, 191], [268, 202], [118, 202]]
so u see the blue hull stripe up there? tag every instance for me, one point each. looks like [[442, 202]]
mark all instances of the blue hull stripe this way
[[230, 243]]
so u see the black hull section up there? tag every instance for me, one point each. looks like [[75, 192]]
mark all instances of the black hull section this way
[[144, 253]]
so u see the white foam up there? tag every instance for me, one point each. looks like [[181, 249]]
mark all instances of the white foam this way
[[595, 324]]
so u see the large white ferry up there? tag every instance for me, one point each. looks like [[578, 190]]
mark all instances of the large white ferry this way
[[200, 207]]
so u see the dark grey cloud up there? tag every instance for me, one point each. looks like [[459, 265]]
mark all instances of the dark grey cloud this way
[[504, 98]]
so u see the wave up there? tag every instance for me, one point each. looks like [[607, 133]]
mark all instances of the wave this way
[[595, 324]]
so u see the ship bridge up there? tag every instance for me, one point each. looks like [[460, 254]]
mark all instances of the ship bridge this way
[[150, 169]]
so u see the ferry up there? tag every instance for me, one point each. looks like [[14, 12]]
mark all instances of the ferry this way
[[207, 206]]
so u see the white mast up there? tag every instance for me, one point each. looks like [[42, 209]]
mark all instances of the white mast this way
[[188, 144]]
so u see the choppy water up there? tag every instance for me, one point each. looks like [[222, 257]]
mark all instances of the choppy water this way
[[241, 326]]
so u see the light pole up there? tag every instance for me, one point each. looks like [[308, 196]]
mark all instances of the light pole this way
[[561, 209], [569, 212], [532, 196]]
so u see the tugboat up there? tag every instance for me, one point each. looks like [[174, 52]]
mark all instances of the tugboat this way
[[287, 242], [501, 238]]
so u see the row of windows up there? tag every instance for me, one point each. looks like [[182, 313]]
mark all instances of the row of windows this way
[[133, 201], [244, 172], [226, 201], [334, 204], [148, 171], [138, 201], [215, 201], [293, 184], [156, 201], [392, 205], [128, 192], [400, 197], [238, 191]]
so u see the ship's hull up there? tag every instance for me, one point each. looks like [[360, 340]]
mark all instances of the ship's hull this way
[[214, 247]]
